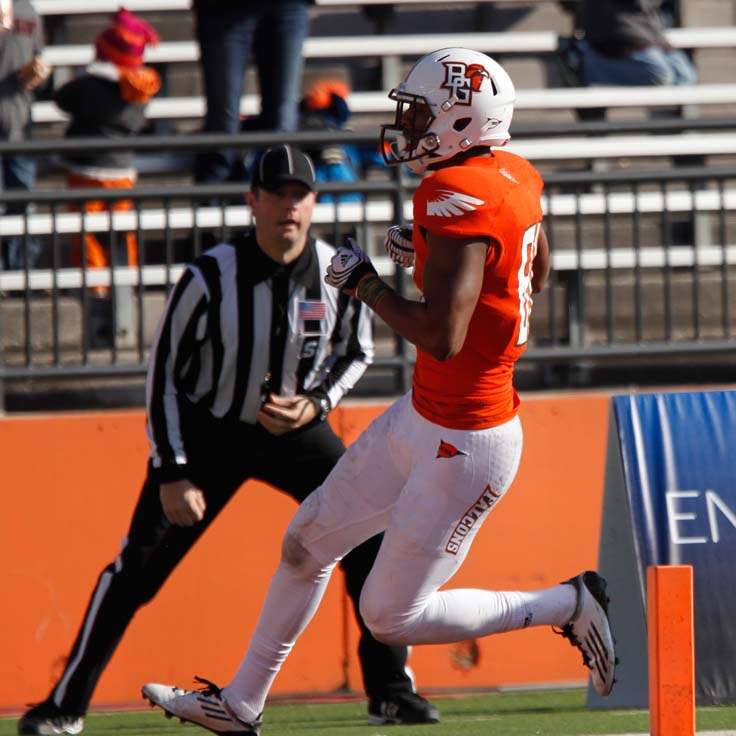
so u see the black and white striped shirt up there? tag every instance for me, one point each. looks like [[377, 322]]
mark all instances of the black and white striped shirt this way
[[237, 324]]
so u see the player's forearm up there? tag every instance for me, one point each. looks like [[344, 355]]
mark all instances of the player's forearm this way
[[541, 265], [412, 320]]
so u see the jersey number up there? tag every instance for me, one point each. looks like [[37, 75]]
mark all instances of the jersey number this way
[[528, 252]]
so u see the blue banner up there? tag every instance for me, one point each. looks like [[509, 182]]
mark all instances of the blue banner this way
[[679, 462]]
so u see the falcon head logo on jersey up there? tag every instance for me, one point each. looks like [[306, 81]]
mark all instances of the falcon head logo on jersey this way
[[463, 79]]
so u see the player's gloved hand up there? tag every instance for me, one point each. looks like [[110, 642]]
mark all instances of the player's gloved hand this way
[[398, 245], [348, 266]]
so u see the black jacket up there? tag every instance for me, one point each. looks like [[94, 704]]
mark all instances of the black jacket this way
[[96, 106]]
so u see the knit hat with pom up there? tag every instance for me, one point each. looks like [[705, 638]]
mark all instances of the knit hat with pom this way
[[124, 41]]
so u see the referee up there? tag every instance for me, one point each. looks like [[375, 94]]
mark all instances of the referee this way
[[251, 354]]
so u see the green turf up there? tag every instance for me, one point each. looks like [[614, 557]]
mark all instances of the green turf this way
[[552, 713]]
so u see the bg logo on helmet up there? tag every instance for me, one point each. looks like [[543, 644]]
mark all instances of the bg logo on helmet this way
[[464, 79]]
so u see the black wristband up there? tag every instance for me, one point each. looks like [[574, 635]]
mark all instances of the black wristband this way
[[321, 404]]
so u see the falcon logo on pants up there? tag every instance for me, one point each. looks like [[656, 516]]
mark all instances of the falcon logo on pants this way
[[447, 450]]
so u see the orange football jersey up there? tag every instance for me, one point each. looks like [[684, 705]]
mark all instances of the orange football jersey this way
[[496, 197]]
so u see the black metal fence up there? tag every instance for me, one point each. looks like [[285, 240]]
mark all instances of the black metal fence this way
[[644, 264]]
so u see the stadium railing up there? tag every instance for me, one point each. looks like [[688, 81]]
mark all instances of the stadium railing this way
[[623, 284]]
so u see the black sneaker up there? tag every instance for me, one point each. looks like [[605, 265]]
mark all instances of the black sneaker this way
[[402, 708], [46, 719]]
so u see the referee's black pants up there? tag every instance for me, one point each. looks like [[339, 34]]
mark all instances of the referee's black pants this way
[[222, 455]]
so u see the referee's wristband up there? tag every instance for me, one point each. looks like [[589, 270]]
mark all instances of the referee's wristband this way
[[321, 404]]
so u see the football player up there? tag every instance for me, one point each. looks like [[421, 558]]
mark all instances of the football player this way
[[432, 467]]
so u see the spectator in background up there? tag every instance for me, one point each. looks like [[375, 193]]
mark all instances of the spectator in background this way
[[229, 33], [109, 99], [325, 107], [21, 72], [625, 44]]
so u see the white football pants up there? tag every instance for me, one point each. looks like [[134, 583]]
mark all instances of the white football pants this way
[[430, 488]]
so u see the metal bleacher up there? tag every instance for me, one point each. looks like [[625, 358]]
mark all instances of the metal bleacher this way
[[524, 42], [177, 108]]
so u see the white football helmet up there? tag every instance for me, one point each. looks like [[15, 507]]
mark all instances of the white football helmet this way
[[451, 100]]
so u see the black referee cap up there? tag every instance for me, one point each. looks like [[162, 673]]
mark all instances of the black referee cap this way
[[281, 164]]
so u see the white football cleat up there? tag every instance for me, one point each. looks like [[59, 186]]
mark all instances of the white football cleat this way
[[205, 707], [590, 631]]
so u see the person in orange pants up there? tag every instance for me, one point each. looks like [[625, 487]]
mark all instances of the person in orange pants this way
[[97, 254]]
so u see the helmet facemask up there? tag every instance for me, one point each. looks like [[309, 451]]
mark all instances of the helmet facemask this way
[[408, 139]]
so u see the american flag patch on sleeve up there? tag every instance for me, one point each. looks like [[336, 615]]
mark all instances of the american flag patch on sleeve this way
[[312, 309]]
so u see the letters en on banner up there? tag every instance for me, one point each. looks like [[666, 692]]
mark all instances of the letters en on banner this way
[[678, 452]]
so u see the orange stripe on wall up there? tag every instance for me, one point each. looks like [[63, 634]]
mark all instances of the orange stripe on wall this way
[[71, 482]]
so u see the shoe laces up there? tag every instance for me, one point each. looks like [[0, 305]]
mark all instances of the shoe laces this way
[[215, 690], [567, 633], [209, 687]]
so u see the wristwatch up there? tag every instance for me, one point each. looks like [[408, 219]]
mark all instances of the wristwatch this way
[[322, 405]]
